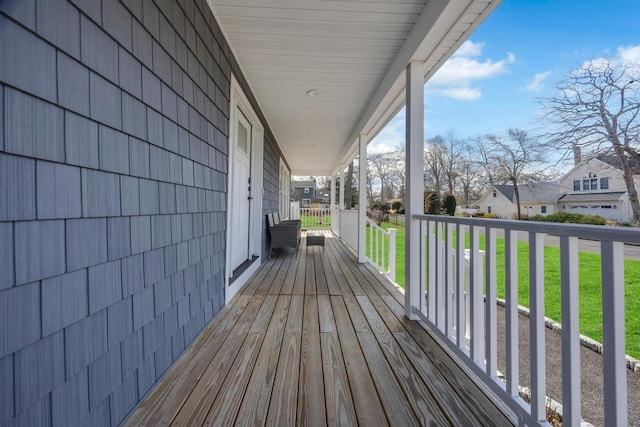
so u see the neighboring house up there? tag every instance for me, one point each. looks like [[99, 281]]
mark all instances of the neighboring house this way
[[596, 187], [539, 198], [303, 192], [593, 187]]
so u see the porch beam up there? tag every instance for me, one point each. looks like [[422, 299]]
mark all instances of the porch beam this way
[[362, 200], [414, 186]]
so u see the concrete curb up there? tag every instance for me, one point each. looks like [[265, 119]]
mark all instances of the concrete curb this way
[[632, 364]]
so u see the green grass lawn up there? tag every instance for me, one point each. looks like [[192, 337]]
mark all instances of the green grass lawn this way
[[590, 294]]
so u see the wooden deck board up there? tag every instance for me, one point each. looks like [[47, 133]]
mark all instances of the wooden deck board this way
[[315, 339], [253, 410]]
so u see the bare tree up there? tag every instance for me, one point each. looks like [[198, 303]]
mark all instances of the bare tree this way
[[597, 110], [433, 153], [469, 171], [451, 156], [397, 175], [515, 158], [381, 167]]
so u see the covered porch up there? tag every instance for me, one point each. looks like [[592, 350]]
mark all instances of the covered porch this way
[[316, 339]]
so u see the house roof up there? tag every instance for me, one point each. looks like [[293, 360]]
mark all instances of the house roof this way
[[542, 192], [613, 160], [353, 53], [592, 197], [303, 184]]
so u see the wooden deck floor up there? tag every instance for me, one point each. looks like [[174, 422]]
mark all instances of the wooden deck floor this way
[[314, 340]]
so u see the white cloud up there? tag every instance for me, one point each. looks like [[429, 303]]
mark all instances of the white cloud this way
[[456, 76], [629, 54], [390, 138], [463, 93], [626, 56], [469, 48], [460, 70], [537, 82]]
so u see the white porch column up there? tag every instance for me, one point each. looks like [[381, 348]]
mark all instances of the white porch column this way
[[342, 184], [332, 203], [362, 201], [414, 185]]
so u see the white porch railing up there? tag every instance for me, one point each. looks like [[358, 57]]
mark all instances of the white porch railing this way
[[313, 218], [445, 273], [381, 249], [349, 227]]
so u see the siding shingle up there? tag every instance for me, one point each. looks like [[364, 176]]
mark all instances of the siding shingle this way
[[39, 250]]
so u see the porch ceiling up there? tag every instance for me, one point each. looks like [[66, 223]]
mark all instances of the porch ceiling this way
[[353, 52]]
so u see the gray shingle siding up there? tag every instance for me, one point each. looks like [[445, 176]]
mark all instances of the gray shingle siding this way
[[113, 180]]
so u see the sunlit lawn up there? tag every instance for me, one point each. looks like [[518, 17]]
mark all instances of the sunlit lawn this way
[[590, 295]]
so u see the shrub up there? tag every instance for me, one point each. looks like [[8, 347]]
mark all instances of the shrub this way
[[478, 214], [571, 218], [432, 203], [490, 215], [396, 206], [450, 204]]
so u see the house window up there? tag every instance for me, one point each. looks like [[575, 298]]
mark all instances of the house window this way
[[489, 209], [594, 183], [585, 184], [306, 191], [495, 193], [604, 183], [576, 185], [543, 209]]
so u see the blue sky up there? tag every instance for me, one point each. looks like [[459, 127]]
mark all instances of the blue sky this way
[[517, 55]]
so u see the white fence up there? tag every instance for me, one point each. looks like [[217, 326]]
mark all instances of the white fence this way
[[381, 249], [471, 332]]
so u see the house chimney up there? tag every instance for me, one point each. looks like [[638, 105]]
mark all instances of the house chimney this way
[[577, 155]]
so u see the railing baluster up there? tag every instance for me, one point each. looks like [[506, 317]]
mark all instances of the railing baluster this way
[[424, 252], [440, 276], [448, 286], [431, 272], [613, 331], [570, 331], [392, 254], [511, 278], [461, 326], [490, 304], [477, 329], [537, 327]]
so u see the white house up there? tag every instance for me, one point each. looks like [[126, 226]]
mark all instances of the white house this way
[[540, 198], [594, 186]]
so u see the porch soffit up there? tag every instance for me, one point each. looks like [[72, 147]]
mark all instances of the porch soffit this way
[[353, 52]]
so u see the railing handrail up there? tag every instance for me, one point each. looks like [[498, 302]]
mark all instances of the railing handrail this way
[[581, 231]]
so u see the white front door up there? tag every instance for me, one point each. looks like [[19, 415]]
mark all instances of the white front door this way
[[241, 201]]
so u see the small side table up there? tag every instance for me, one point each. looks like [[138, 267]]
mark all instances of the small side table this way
[[314, 239]]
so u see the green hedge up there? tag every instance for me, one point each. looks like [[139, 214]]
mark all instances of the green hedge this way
[[571, 218]]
